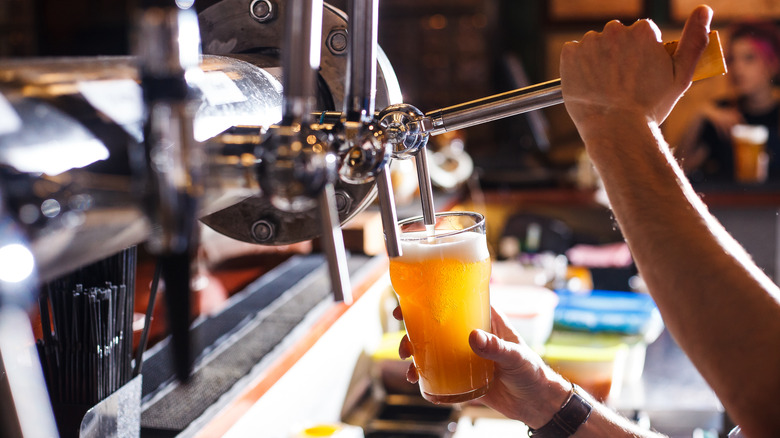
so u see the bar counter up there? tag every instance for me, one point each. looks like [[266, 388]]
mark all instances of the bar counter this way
[[282, 355]]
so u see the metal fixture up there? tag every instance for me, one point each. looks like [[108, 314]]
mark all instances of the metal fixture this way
[[262, 10], [337, 41], [297, 167], [263, 231], [343, 201], [171, 170]]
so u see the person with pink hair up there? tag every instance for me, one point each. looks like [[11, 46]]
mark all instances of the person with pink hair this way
[[753, 57]]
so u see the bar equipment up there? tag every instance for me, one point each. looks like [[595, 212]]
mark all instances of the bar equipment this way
[[100, 154]]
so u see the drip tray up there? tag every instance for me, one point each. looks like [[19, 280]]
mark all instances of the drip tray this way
[[406, 416]]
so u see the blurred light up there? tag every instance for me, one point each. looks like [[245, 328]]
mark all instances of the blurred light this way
[[185, 4], [316, 35], [50, 208], [437, 22], [16, 263], [55, 158], [29, 213]]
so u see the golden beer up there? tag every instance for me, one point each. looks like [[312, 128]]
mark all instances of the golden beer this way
[[750, 157], [442, 283]]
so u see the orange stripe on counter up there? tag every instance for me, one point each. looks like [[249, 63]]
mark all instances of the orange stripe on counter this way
[[236, 409]]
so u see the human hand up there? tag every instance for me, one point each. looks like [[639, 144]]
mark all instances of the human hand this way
[[624, 71], [723, 119], [523, 388]]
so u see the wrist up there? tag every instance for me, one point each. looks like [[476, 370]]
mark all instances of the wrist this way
[[613, 127], [574, 412], [549, 399]]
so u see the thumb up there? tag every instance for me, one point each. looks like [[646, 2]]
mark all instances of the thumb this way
[[490, 346], [692, 44]]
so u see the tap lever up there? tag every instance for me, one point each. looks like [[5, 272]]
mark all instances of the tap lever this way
[[387, 209], [333, 243], [426, 191], [545, 94]]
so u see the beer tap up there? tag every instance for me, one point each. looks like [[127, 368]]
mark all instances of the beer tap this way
[[538, 96], [170, 165], [366, 144], [296, 166]]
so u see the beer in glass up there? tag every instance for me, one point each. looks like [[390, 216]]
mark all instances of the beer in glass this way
[[750, 156], [442, 282]]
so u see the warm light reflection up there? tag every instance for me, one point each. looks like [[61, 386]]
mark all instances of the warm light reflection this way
[[53, 158], [16, 263], [316, 35]]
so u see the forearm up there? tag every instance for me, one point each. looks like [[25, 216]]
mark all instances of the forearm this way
[[720, 307], [604, 422]]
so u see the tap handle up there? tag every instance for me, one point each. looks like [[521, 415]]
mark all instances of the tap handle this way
[[401, 124], [426, 191], [333, 243], [168, 51], [542, 95], [177, 274], [387, 210]]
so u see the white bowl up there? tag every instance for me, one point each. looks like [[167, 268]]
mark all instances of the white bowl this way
[[529, 309]]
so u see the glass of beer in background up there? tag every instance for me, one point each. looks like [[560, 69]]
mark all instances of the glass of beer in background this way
[[442, 282], [750, 157]]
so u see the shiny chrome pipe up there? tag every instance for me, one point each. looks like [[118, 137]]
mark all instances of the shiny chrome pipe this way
[[301, 59], [498, 106], [361, 63]]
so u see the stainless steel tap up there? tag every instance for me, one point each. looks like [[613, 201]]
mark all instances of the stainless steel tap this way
[[170, 168], [297, 167]]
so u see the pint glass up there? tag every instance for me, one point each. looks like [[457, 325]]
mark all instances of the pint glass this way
[[442, 282], [750, 156]]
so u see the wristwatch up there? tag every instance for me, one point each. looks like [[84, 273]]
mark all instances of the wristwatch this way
[[573, 414]]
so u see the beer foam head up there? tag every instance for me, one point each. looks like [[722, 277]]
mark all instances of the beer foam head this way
[[757, 134], [467, 246]]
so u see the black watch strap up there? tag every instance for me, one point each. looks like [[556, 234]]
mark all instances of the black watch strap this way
[[565, 422]]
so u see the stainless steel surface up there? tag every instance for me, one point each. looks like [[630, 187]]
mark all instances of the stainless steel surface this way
[[66, 164], [361, 77], [262, 10], [301, 59], [226, 29], [495, 107], [404, 132], [388, 213], [170, 172], [20, 365], [333, 243], [168, 41], [227, 32], [426, 191], [117, 416]]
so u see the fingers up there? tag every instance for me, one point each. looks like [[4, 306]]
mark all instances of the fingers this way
[[405, 348], [397, 313], [411, 374], [489, 346], [405, 351], [692, 44]]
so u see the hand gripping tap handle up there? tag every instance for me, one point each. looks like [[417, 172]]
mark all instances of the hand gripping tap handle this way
[[543, 95]]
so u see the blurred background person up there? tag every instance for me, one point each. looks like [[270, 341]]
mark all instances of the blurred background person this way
[[753, 56]]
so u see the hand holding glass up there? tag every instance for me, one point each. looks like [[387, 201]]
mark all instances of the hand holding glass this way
[[442, 282]]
